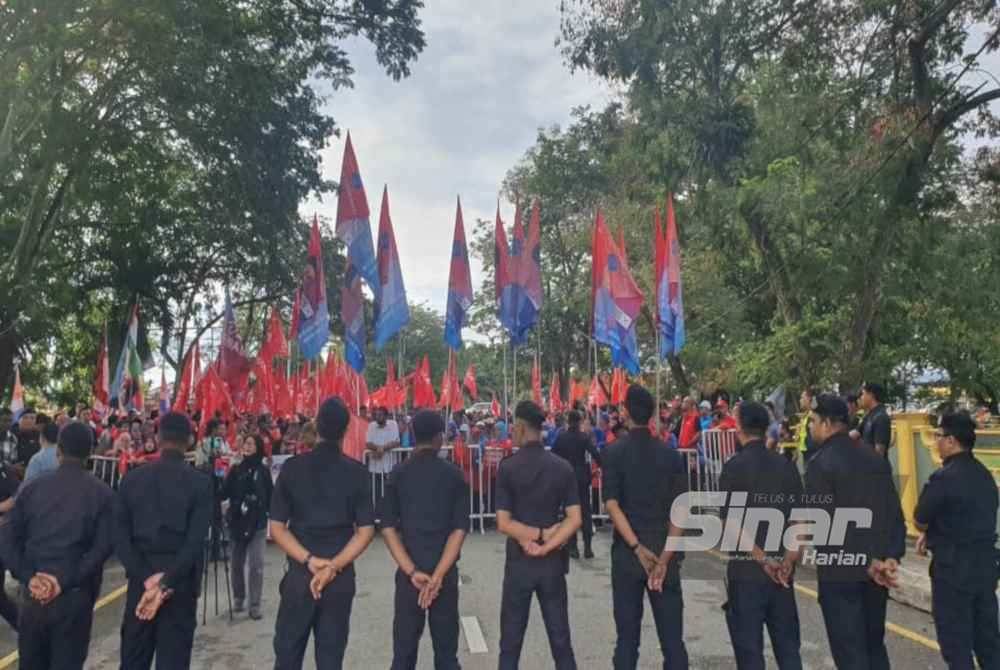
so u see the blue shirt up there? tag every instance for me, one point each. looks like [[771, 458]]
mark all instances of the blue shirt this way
[[501, 430], [44, 461]]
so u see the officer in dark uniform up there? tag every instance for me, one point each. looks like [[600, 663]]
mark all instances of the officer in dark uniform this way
[[642, 478], [8, 487], [55, 541], [854, 575], [875, 431], [573, 445], [322, 518], [162, 516], [425, 515], [759, 582], [533, 488], [958, 514]]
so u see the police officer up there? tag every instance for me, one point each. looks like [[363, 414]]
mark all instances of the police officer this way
[[8, 487], [322, 518], [854, 575], [759, 582], [875, 431], [533, 488], [162, 517], [425, 516], [642, 477], [957, 513], [573, 445], [55, 542]]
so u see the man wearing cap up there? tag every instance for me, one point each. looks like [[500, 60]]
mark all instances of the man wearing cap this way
[[162, 514], [424, 518], [322, 518], [55, 542], [533, 489], [855, 574]]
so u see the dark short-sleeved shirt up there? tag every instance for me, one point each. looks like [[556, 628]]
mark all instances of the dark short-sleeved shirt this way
[[573, 446], [876, 428], [426, 499], [162, 515], [536, 487], [60, 525], [8, 483], [959, 507], [766, 480], [645, 477], [323, 495]]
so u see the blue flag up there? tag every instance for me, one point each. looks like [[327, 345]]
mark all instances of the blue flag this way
[[314, 315], [459, 286], [393, 312]]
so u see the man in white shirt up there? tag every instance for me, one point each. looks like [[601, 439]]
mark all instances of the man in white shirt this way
[[382, 438]]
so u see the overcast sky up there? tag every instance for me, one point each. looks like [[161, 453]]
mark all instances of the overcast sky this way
[[488, 79]]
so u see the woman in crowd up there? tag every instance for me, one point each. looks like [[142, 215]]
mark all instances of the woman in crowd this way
[[248, 489]]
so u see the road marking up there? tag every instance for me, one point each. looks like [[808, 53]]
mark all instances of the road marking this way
[[474, 635], [913, 636], [9, 660]]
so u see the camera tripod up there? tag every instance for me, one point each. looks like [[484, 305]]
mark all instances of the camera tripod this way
[[216, 556]]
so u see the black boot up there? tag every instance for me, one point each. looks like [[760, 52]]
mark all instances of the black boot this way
[[573, 551], [587, 551]]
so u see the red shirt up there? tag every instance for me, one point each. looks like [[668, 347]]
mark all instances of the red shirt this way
[[727, 423], [690, 428]]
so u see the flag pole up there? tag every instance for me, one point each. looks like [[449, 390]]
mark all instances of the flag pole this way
[[659, 363], [505, 346]]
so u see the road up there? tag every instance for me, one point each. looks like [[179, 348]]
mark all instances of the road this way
[[244, 644]]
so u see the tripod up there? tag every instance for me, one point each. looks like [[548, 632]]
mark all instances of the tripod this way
[[216, 554]]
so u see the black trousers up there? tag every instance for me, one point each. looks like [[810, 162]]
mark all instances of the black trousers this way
[[966, 623], [753, 604], [628, 590], [587, 506], [55, 636], [299, 615], [8, 608], [519, 585], [854, 614], [169, 636], [408, 624]]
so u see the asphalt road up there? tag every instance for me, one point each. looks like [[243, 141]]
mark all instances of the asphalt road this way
[[244, 644]]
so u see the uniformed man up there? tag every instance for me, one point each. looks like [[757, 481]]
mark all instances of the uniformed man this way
[[424, 518], [573, 445], [957, 513], [533, 488], [854, 575], [875, 431], [8, 487], [642, 478], [322, 518], [162, 517], [55, 542], [759, 581]]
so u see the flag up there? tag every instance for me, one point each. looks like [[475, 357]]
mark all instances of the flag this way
[[353, 224], [536, 383], [470, 381], [423, 387], [495, 407], [313, 316], [17, 397], [451, 392], [616, 299], [522, 297], [555, 399], [234, 365], [275, 346], [102, 380], [670, 291], [501, 258], [619, 386], [215, 398], [459, 286], [126, 389], [596, 396], [164, 397], [352, 313], [293, 332], [392, 310], [577, 392], [188, 379], [627, 355]]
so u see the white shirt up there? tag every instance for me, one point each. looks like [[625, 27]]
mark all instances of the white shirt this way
[[380, 436]]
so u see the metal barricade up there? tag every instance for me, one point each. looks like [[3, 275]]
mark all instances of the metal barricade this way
[[106, 469], [386, 464], [719, 446]]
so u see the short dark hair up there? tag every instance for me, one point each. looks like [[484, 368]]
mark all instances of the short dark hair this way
[[212, 425], [332, 420], [574, 419], [75, 440], [175, 429], [530, 413], [752, 418], [877, 390], [960, 426], [50, 433], [427, 424], [851, 398], [639, 403], [832, 408]]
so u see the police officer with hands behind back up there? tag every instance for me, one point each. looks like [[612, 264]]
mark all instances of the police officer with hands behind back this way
[[425, 515], [55, 541], [162, 514], [957, 513], [533, 487], [758, 583], [322, 518], [642, 478]]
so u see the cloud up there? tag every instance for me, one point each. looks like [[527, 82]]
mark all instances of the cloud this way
[[488, 80]]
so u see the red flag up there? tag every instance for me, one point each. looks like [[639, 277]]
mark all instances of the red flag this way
[[102, 381], [423, 387], [276, 345], [470, 381], [215, 398], [577, 392], [187, 380], [495, 407], [555, 401], [661, 254], [619, 385], [283, 395], [501, 257], [234, 366], [536, 383], [596, 395]]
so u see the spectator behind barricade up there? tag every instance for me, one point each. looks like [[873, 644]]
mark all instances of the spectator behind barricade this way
[[382, 438], [47, 458], [212, 446], [501, 429], [690, 424], [122, 445], [773, 429], [150, 451], [28, 440], [724, 419], [405, 431], [308, 437], [135, 430]]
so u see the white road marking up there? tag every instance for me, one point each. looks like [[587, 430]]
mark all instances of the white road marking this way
[[474, 635]]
